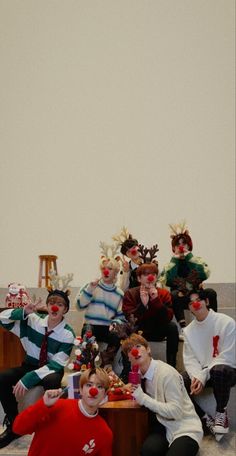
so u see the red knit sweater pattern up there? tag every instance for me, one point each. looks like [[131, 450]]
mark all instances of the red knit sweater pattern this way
[[62, 430]]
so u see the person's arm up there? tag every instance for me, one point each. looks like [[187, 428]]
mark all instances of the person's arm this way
[[172, 408], [85, 295], [107, 437], [129, 305], [225, 346], [199, 265], [38, 414], [192, 365], [56, 363]]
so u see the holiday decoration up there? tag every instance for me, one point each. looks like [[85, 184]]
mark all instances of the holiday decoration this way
[[117, 391], [17, 295], [86, 352]]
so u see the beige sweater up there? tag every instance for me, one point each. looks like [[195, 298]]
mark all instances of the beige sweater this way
[[171, 403]]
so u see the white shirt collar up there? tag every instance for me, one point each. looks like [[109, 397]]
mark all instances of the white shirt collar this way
[[150, 372], [85, 413]]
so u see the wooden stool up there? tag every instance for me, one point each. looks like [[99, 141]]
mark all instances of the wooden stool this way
[[49, 262]]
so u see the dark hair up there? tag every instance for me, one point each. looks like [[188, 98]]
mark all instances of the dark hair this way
[[200, 292], [147, 268], [62, 294], [128, 244], [186, 238]]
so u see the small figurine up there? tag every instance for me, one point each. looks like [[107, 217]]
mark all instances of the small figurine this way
[[17, 296]]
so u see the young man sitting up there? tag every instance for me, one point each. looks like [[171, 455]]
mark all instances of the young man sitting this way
[[175, 428], [48, 341], [209, 358], [68, 426], [151, 307]]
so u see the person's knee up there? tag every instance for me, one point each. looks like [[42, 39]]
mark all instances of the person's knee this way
[[51, 381]]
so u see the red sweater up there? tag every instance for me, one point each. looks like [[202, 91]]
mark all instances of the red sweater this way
[[154, 318], [62, 430]]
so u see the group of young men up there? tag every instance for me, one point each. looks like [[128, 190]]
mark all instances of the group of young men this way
[[176, 419]]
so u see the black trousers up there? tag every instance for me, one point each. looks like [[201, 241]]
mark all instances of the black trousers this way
[[222, 378], [11, 376], [159, 333], [156, 444], [180, 303]]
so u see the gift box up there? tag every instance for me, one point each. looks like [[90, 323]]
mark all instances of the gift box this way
[[73, 385]]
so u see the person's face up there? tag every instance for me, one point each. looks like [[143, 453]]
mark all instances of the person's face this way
[[92, 393], [197, 306], [139, 355], [56, 307], [133, 253], [108, 274], [148, 279], [182, 247]]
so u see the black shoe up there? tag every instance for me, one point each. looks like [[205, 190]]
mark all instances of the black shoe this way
[[8, 435]]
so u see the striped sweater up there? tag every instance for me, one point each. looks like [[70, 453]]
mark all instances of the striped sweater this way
[[103, 304], [31, 330]]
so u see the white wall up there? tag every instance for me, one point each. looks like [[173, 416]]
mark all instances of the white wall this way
[[115, 112]]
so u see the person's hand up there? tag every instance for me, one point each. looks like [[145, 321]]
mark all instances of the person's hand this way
[[125, 266], [144, 296], [196, 387], [94, 283], [19, 389], [130, 387], [50, 397], [153, 292]]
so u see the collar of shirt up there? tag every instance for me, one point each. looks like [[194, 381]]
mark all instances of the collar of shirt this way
[[150, 372], [56, 328]]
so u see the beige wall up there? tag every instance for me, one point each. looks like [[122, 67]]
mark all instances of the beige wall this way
[[115, 112]]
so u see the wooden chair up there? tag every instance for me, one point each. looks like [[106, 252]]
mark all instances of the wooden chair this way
[[46, 263]]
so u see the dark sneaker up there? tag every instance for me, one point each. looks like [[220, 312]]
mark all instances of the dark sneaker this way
[[221, 425], [208, 427], [7, 435]]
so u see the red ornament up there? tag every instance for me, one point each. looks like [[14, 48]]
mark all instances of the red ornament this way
[[151, 278], [55, 308], [134, 352], [89, 334], [106, 272], [196, 305], [93, 391]]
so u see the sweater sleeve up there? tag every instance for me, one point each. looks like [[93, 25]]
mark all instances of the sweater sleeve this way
[[172, 408], [192, 365], [84, 297], [129, 303], [32, 418], [55, 364], [10, 319], [226, 346]]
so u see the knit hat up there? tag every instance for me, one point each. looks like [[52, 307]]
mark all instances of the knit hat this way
[[178, 232]]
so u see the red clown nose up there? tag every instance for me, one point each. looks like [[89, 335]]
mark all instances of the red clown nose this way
[[150, 278], [134, 352], [181, 248], [196, 305], [93, 391], [55, 308], [106, 272], [133, 251]]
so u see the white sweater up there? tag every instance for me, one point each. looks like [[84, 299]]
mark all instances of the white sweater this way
[[199, 344], [171, 403]]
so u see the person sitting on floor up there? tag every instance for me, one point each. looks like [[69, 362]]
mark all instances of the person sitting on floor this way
[[184, 272], [174, 427], [209, 358], [67, 426], [151, 308], [48, 342]]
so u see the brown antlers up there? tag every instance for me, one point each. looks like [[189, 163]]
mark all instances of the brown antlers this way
[[148, 255]]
